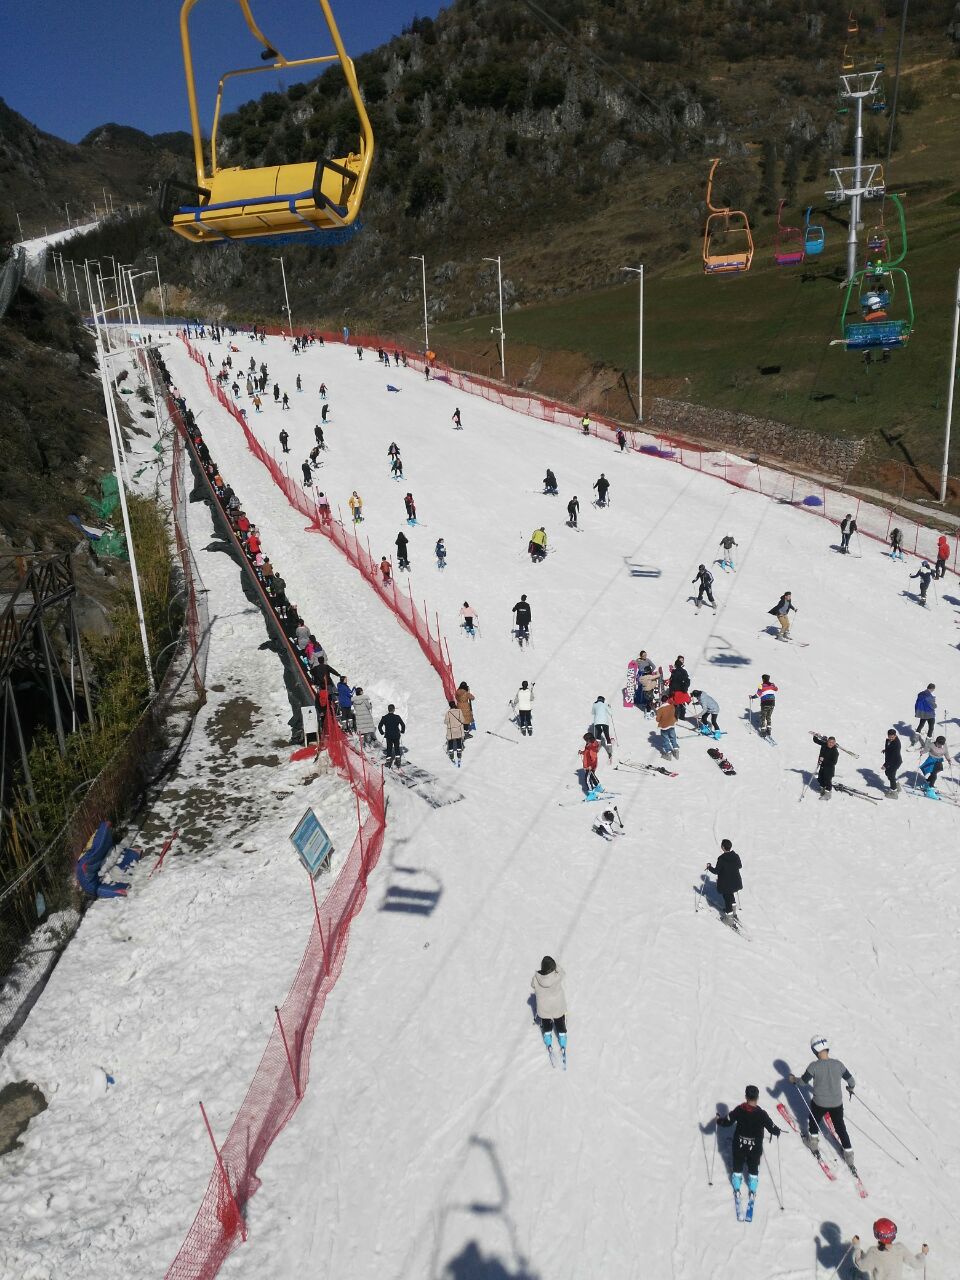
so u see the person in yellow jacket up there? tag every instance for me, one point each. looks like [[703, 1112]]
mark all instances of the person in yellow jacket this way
[[538, 544], [356, 507]]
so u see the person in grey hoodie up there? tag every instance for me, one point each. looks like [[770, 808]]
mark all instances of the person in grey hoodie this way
[[547, 984], [709, 709], [827, 1074]]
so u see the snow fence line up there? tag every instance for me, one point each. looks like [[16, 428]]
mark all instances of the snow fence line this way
[[873, 520], [403, 607]]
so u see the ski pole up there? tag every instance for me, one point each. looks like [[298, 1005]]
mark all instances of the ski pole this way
[[773, 1181], [716, 1143], [885, 1125], [899, 1163], [703, 885], [619, 819]]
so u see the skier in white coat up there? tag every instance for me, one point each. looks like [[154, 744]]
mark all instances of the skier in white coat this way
[[601, 724], [885, 1260], [522, 703], [547, 984]]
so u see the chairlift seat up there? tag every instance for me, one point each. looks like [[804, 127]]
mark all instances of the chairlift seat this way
[[862, 335]]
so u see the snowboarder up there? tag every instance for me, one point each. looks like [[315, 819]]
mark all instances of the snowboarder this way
[[391, 726], [401, 544], [547, 986], [590, 756], [885, 1260], [537, 547], [465, 700], [550, 483], [410, 507], [469, 616], [892, 760], [781, 611], [602, 487], [666, 723], [601, 724], [925, 709], [896, 544], [709, 710], [457, 424], [727, 543], [924, 573], [931, 767], [848, 527], [355, 503], [573, 510], [767, 693], [523, 703], [440, 551], [608, 825], [826, 763], [454, 731], [729, 881], [522, 615], [826, 1074], [284, 441], [705, 578], [751, 1120], [621, 439], [943, 555], [307, 475]]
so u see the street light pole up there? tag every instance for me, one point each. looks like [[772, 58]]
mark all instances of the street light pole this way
[[945, 469], [638, 271], [286, 296], [421, 258], [503, 336], [163, 310]]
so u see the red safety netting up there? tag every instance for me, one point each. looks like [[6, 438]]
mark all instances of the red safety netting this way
[[434, 647], [281, 1078]]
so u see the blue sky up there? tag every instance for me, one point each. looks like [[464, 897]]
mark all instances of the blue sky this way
[[73, 64]]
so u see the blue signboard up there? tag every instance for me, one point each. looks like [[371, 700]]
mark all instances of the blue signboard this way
[[312, 843]]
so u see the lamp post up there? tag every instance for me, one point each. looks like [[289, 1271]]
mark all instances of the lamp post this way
[[163, 310], [945, 469], [638, 271], [423, 273], [286, 296], [503, 336]]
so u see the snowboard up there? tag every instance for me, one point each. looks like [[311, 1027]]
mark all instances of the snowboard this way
[[725, 765], [630, 688]]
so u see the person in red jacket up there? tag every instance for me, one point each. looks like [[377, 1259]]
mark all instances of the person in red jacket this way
[[590, 754], [943, 555], [243, 524], [253, 544]]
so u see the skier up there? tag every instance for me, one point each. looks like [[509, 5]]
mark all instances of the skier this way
[[848, 527], [585, 424], [276, 392], [550, 483], [410, 507], [924, 573], [709, 710], [896, 544], [285, 403], [705, 578], [781, 611], [323, 391], [601, 724], [324, 412], [522, 615], [401, 545], [393, 451], [590, 756], [621, 439], [440, 551], [727, 543], [355, 503], [385, 570], [826, 763], [573, 510], [751, 1120], [892, 760], [299, 383], [469, 616], [728, 876], [943, 555], [396, 468], [284, 441], [925, 709], [307, 476], [885, 1260], [602, 486], [523, 703], [547, 985], [465, 700], [666, 722], [679, 683], [314, 456], [391, 726], [458, 425], [936, 754], [826, 1075], [604, 826], [454, 730], [767, 693], [537, 547], [323, 508]]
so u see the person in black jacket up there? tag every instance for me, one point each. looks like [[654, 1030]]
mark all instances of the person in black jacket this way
[[402, 560], [728, 876], [826, 764], [522, 614], [391, 726], [848, 527], [892, 759], [679, 683], [550, 483], [751, 1121], [573, 509]]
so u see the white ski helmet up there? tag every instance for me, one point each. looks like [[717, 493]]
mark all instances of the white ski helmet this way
[[819, 1043]]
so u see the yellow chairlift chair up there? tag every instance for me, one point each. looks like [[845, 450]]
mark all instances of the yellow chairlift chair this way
[[313, 202], [727, 240]]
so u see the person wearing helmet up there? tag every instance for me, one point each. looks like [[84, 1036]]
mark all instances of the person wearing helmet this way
[[751, 1121], [826, 1074], [609, 825], [705, 578], [872, 306], [885, 1259], [924, 573], [547, 984]]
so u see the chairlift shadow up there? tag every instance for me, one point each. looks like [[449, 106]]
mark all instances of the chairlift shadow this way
[[641, 570]]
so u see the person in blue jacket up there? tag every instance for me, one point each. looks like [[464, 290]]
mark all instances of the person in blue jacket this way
[[925, 709], [345, 702]]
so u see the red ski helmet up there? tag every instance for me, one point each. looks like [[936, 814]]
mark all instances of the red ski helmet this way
[[885, 1230]]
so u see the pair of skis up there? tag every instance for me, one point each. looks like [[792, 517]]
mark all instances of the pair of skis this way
[[653, 768], [830, 1172], [744, 1214]]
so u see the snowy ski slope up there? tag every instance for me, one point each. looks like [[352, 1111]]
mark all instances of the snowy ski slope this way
[[435, 1136]]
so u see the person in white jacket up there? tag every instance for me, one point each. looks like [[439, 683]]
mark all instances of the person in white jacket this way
[[523, 705], [547, 984], [885, 1260], [601, 724]]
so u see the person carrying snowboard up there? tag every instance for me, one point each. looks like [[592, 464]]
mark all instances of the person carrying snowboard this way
[[401, 545], [848, 527], [886, 1259], [751, 1122], [709, 710], [550, 483], [727, 544], [925, 709], [454, 730], [827, 1075], [602, 487], [705, 578], [410, 507], [391, 726], [729, 880], [523, 705], [573, 510], [924, 573], [781, 611], [522, 615], [590, 757], [551, 999], [826, 763], [767, 693], [601, 724], [892, 759]]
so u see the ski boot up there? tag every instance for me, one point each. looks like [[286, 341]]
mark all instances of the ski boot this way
[[812, 1141], [848, 1160]]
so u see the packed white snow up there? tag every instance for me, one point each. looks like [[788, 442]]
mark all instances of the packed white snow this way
[[436, 1140]]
